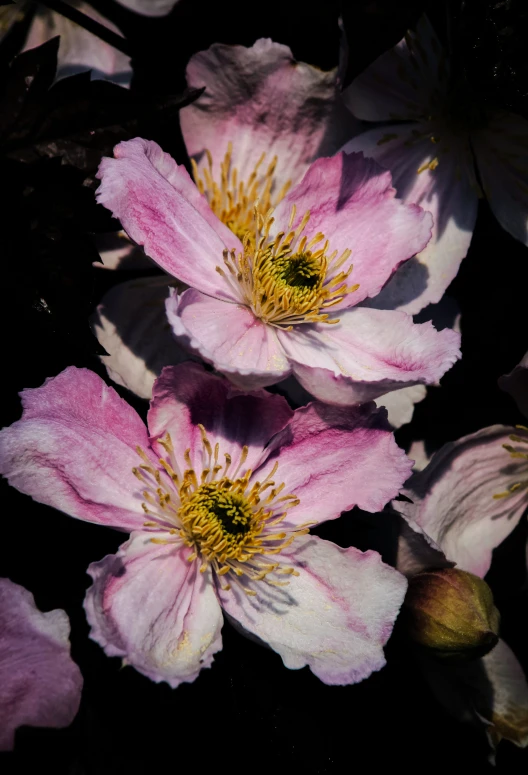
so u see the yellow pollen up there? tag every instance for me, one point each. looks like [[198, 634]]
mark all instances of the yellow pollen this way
[[233, 200], [515, 454], [228, 522]]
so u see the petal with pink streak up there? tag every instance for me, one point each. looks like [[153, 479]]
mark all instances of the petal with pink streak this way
[[367, 354], [351, 201], [448, 191], [403, 82], [335, 617], [155, 609], [228, 336], [262, 101], [491, 691], [131, 325], [74, 449], [80, 50], [187, 395], [40, 684], [516, 384], [160, 208], [149, 7], [501, 151], [453, 498], [334, 459]]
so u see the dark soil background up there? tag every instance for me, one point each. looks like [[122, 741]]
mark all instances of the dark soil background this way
[[247, 713]]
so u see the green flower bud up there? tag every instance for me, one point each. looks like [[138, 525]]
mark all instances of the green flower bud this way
[[451, 613]]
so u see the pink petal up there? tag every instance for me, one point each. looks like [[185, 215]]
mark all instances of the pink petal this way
[[334, 459], [79, 50], [228, 336], [369, 353], [448, 192], [400, 404], [453, 499], [187, 395], [416, 551], [40, 685], [351, 201], [116, 251], [149, 7], [160, 208], [502, 157], [155, 609], [401, 83], [516, 384], [74, 449], [262, 101], [131, 325], [334, 617]]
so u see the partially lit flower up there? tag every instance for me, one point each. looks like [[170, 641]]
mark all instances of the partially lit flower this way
[[219, 499], [431, 149], [40, 685]]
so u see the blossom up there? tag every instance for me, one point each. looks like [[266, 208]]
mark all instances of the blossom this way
[[40, 685], [432, 136], [282, 301], [218, 496]]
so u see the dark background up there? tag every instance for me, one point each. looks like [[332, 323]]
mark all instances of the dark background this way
[[247, 712]]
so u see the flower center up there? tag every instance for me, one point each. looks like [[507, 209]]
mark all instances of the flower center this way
[[228, 520], [232, 200], [516, 454]]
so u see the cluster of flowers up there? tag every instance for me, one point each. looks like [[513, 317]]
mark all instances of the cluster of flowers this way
[[297, 256]]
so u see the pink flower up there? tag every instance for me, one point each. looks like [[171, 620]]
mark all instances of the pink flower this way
[[40, 685], [431, 152], [218, 496], [284, 299]]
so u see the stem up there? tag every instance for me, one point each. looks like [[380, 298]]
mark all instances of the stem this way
[[102, 32]]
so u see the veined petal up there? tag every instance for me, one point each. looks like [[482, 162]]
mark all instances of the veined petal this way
[[434, 170], [40, 684], [228, 336], [187, 395], [74, 449], [333, 459], [131, 324], [160, 208], [367, 354], [335, 616], [155, 609], [502, 158], [351, 201], [516, 384], [453, 497], [262, 101], [402, 83]]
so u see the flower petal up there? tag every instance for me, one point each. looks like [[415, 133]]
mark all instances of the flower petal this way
[[516, 384], [502, 158], [401, 83], [74, 449], [155, 609], [334, 617], [118, 252], [80, 50], [367, 354], [400, 404], [131, 325], [334, 459], [160, 208], [40, 685], [351, 201], [187, 395], [453, 498], [262, 101], [446, 189], [228, 336], [149, 7]]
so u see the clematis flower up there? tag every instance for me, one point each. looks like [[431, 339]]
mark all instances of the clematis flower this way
[[218, 496], [432, 136], [40, 685], [282, 300]]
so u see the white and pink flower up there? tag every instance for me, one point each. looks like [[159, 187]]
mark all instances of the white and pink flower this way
[[218, 496]]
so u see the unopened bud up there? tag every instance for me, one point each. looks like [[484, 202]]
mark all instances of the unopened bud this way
[[451, 613]]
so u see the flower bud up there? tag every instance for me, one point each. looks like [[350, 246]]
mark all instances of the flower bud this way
[[451, 613]]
